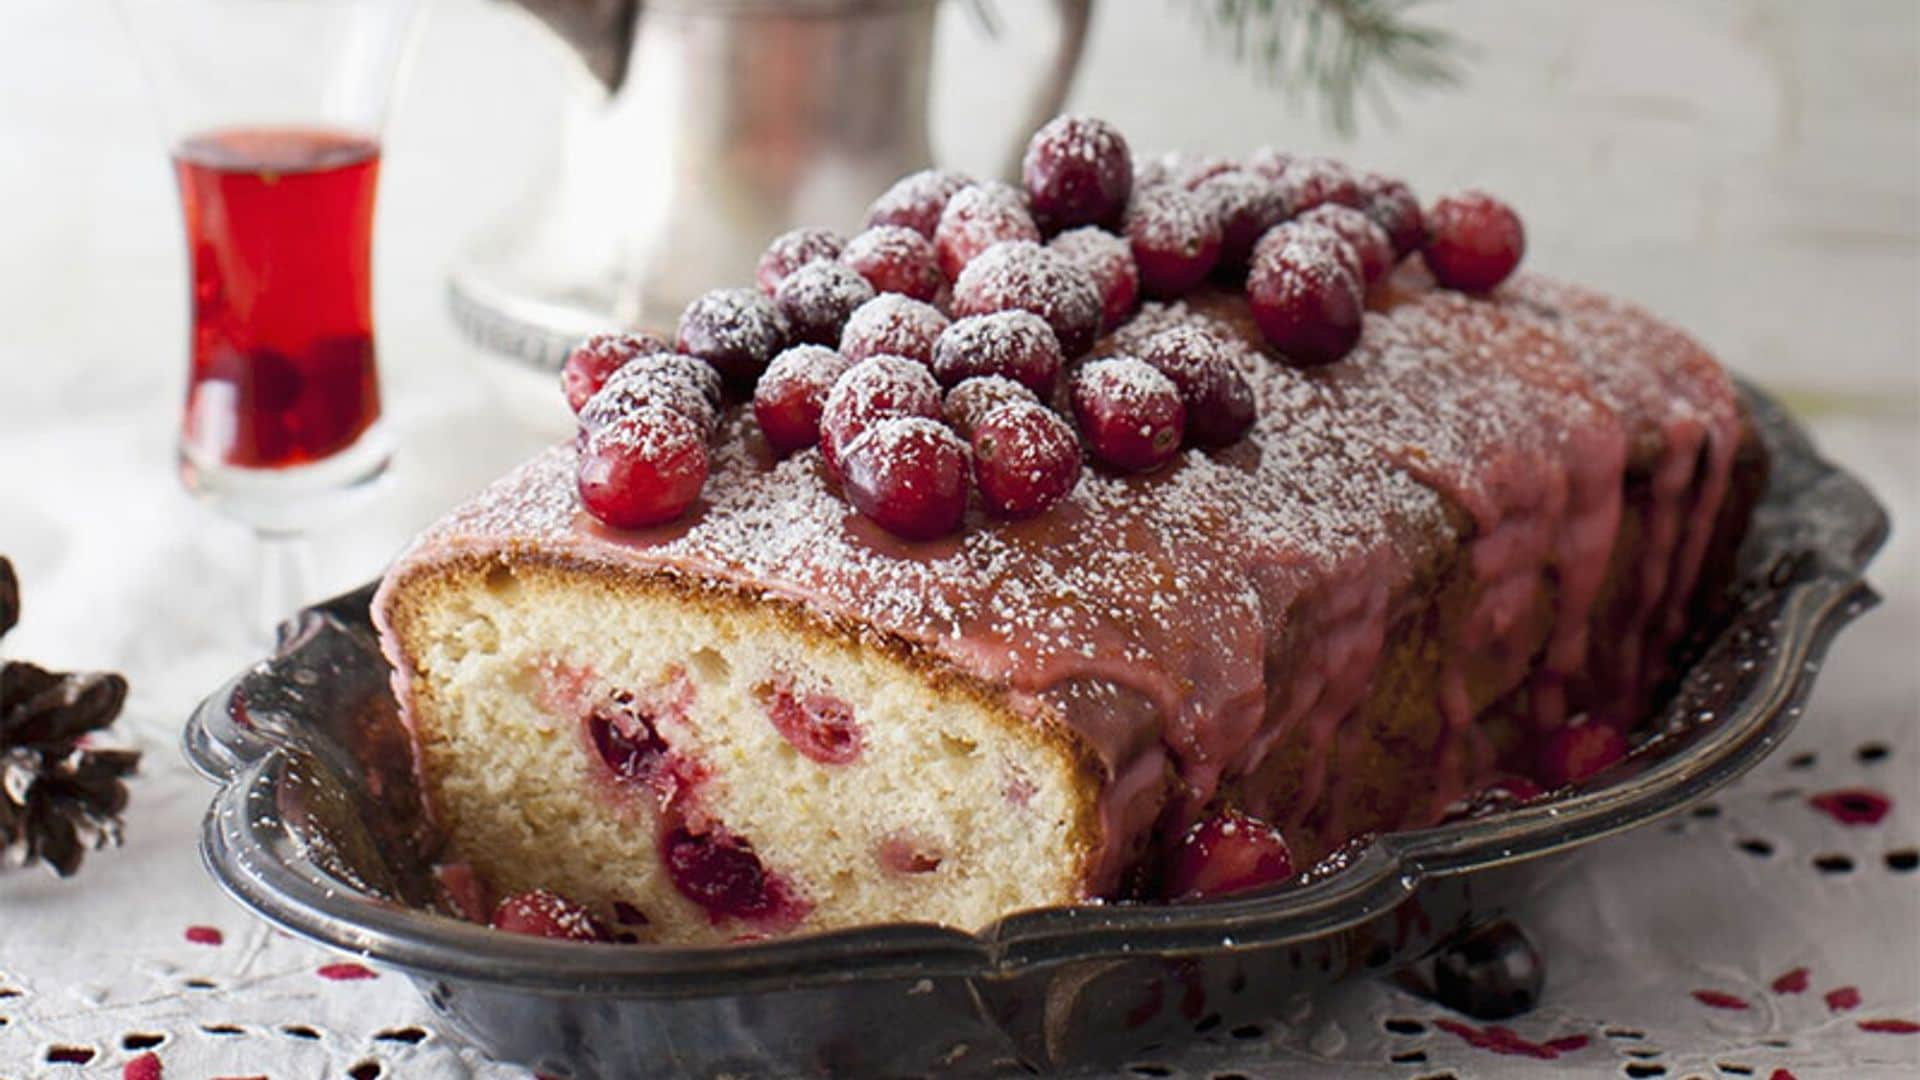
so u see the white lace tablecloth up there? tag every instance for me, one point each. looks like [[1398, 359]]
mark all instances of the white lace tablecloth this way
[[1753, 935]]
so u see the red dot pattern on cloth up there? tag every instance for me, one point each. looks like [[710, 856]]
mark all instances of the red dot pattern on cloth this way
[[1843, 998], [205, 935], [1853, 806], [1793, 982], [1890, 1027], [144, 1067], [1501, 1040], [1714, 999], [345, 972]]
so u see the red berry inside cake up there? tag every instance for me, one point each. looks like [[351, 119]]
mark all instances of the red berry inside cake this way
[[935, 575]]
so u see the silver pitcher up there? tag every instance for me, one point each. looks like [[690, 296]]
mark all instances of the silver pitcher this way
[[698, 131]]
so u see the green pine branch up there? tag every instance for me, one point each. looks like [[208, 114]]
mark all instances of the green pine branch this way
[[1337, 51]]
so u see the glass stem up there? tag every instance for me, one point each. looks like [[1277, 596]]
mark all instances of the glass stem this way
[[283, 583]]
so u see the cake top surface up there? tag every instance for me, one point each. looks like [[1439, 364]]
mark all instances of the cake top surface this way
[[1340, 460]]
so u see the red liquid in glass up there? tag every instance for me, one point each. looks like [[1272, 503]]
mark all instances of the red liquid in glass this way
[[280, 232]]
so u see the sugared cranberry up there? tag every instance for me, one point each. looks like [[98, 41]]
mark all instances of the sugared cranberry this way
[[1178, 169], [594, 360], [895, 259], [819, 725], [1130, 414], [1196, 171], [677, 382], [1308, 182], [1392, 206], [721, 873], [1228, 853], [735, 330], [1153, 172], [1022, 274], [978, 217], [1218, 399], [1175, 238], [970, 402], [916, 201], [1578, 751], [1473, 241], [909, 475], [792, 250], [1108, 259], [875, 389], [788, 399], [688, 369], [541, 913], [892, 325], [1368, 240], [643, 469], [1017, 344], [1305, 294], [1270, 162], [1025, 459], [1247, 205], [817, 300], [628, 744], [1078, 171]]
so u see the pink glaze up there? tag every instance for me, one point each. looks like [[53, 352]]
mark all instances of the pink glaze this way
[[1189, 626], [1682, 418]]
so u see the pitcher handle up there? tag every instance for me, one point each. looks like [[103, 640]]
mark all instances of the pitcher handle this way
[[1074, 16]]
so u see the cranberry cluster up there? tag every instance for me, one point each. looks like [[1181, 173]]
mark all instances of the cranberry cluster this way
[[940, 352]]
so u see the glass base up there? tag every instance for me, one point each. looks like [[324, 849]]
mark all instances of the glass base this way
[[296, 498]]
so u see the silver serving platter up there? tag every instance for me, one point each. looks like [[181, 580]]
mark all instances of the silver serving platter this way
[[316, 827]]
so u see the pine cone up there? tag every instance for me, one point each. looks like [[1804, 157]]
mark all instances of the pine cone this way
[[9, 597], [58, 798]]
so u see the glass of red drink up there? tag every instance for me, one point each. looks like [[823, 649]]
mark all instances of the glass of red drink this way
[[273, 109]]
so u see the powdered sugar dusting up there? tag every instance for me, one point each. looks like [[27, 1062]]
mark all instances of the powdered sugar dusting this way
[[978, 217], [1311, 181], [817, 299], [732, 321], [653, 432], [1171, 219], [893, 325], [1310, 250], [1128, 378], [1017, 344], [1080, 138], [1022, 274], [883, 386], [792, 250], [915, 201], [969, 403], [1108, 259], [811, 368], [667, 380]]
